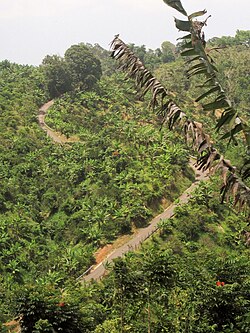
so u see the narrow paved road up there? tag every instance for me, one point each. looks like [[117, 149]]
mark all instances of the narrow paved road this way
[[41, 120], [98, 271]]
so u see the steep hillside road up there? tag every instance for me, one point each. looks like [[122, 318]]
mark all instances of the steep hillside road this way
[[96, 272]]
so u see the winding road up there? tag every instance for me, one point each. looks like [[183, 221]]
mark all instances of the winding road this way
[[98, 271], [55, 136]]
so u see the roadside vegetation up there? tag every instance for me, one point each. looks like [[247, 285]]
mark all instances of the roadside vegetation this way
[[59, 203]]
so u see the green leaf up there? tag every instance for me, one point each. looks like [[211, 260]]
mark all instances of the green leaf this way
[[225, 118], [176, 4], [246, 130], [183, 25], [232, 133], [214, 67], [193, 59], [206, 83], [185, 37], [189, 52], [188, 45], [200, 13], [198, 71], [212, 90], [199, 65], [246, 174], [215, 105]]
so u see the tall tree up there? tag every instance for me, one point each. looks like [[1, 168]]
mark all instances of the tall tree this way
[[58, 79], [168, 52], [85, 68]]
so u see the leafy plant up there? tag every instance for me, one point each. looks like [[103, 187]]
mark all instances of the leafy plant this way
[[44, 309], [162, 101], [201, 62]]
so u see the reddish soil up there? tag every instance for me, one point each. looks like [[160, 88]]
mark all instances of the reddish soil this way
[[13, 326], [102, 253]]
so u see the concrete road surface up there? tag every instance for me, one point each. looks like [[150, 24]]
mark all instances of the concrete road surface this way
[[98, 271]]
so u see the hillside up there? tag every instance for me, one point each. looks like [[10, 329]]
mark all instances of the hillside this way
[[115, 170], [59, 203]]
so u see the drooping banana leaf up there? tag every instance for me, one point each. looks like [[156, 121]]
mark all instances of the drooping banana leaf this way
[[209, 92], [185, 37], [198, 72], [189, 52], [232, 132], [246, 132], [245, 170], [194, 133], [196, 14], [225, 118], [215, 105], [189, 60], [200, 65], [176, 4], [183, 25], [195, 48]]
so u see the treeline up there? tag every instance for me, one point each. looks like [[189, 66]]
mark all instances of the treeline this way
[[83, 64]]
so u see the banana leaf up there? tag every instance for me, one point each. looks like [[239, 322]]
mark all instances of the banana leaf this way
[[215, 105], [233, 131], [176, 4], [196, 14], [225, 118], [183, 25], [190, 52], [209, 92], [185, 37], [198, 71], [200, 65]]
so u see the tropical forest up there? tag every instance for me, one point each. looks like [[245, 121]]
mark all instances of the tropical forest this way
[[125, 186]]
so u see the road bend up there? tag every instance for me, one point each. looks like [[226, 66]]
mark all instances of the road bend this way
[[96, 272]]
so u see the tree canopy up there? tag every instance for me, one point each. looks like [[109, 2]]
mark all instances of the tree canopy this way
[[84, 67], [78, 70]]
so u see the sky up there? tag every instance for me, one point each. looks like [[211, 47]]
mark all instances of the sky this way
[[32, 29]]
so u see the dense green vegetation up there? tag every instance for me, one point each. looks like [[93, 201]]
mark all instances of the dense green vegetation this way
[[61, 202], [191, 277]]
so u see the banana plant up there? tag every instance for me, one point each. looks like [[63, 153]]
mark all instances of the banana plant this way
[[163, 101], [200, 61]]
